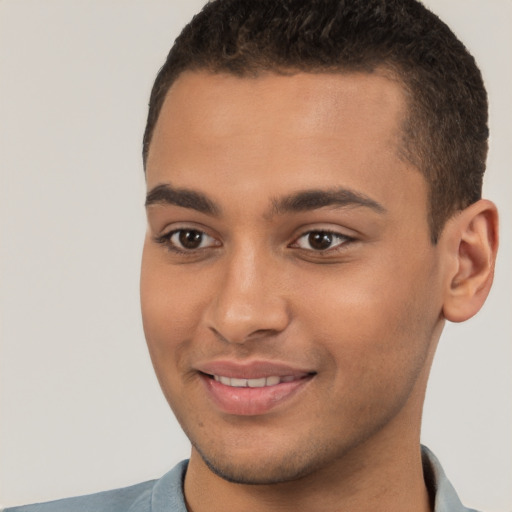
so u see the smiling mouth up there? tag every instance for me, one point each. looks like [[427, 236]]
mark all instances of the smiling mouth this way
[[253, 396], [262, 382]]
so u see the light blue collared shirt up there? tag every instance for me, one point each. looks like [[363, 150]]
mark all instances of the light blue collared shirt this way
[[166, 494]]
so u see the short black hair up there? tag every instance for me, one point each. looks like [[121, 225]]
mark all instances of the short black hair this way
[[445, 133]]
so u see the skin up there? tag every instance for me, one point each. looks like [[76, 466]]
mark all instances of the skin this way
[[363, 315]]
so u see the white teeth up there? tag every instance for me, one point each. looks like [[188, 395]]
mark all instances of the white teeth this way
[[256, 383], [272, 381], [253, 383], [238, 383]]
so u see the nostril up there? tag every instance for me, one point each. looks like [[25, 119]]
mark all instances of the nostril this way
[[262, 333], [252, 336], [219, 335], [239, 320]]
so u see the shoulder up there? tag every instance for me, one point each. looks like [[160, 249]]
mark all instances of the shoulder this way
[[144, 497], [112, 501]]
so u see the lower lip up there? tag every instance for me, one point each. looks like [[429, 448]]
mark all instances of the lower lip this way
[[251, 401]]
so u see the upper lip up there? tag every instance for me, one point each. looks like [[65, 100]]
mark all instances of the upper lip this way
[[251, 370]]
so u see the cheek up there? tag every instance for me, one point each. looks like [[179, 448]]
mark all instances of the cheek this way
[[164, 301], [375, 344], [167, 320], [173, 301], [372, 317]]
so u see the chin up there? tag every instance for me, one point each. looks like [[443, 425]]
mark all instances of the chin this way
[[257, 472], [267, 466]]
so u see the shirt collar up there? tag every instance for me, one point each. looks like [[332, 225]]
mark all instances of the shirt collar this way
[[439, 487]]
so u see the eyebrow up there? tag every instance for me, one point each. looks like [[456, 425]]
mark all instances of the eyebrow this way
[[166, 194], [315, 199], [297, 202]]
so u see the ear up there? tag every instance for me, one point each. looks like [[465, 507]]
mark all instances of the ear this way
[[472, 240]]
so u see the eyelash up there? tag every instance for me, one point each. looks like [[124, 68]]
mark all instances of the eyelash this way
[[166, 240]]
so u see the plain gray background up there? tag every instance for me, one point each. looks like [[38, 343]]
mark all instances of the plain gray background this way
[[81, 410]]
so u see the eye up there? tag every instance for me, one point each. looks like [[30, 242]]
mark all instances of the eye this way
[[184, 240], [321, 240]]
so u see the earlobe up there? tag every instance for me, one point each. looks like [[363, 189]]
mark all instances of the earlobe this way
[[474, 242]]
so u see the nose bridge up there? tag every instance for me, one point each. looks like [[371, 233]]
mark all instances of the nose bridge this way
[[248, 302]]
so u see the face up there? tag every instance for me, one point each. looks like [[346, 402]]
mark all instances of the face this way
[[290, 293]]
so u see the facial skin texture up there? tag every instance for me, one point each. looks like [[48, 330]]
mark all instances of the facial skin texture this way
[[361, 318]]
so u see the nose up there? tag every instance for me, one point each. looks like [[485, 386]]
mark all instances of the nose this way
[[250, 302]]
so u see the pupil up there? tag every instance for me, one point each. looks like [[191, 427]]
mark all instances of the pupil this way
[[320, 240], [190, 239]]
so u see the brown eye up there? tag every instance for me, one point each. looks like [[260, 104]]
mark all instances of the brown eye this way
[[190, 238], [321, 240]]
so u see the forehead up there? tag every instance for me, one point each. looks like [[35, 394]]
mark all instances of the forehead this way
[[304, 103], [217, 132]]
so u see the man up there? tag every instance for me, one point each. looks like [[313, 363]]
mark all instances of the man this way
[[314, 216]]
